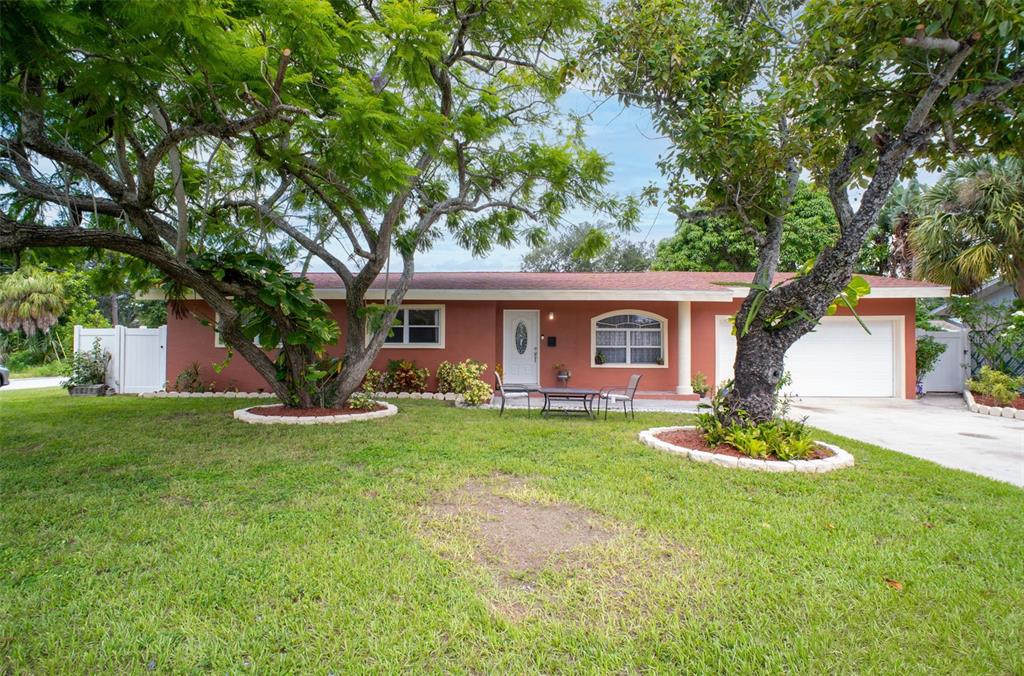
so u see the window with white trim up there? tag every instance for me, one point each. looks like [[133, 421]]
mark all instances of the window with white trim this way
[[417, 326], [629, 338], [219, 342]]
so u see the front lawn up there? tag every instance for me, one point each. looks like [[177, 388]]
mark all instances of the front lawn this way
[[161, 534]]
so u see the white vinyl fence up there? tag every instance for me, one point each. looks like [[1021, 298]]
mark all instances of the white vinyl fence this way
[[138, 357], [953, 367]]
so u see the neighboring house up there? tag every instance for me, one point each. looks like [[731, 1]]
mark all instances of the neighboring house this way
[[603, 326]]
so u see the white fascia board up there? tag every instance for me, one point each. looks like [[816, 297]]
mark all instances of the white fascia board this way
[[882, 292], [723, 296], [540, 294]]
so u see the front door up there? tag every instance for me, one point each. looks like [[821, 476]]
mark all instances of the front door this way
[[522, 347]]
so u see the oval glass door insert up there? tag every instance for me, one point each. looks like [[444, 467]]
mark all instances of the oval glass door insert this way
[[521, 338]]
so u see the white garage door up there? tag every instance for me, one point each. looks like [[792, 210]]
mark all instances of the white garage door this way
[[838, 359]]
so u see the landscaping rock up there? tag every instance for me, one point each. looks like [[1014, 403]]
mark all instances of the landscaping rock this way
[[996, 411], [983, 410]]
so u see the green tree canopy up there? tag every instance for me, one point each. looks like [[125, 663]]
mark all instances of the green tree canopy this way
[[720, 243], [222, 143], [574, 251], [751, 94], [971, 229]]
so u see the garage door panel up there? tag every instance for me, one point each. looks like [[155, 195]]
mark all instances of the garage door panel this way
[[839, 359]]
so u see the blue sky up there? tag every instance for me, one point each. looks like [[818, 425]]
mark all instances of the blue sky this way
[[623, 135]]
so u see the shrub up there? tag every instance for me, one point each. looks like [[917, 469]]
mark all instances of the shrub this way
[[464, 378], [88, 368], [403, 376], [1002, 387], [782, 438], [446, 377], [928, 352], [190, 380], [361, 401], [375, 381], [699, 383]]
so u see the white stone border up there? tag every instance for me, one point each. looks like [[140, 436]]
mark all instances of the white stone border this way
[[244, 415], [838, 461], [450, 396], [994, 411]]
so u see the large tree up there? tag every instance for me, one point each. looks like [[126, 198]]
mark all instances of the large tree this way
[[221, 142], [589, 248], [972, 226], [753, 93], [720, 243]]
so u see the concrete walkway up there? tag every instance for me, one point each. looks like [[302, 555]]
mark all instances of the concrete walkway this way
[[937, 428], [31, 383]]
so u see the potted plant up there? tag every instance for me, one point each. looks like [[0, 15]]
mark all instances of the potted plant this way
[[699, 384], [87, 372], [599, 357], [928, 352], [562, 372]]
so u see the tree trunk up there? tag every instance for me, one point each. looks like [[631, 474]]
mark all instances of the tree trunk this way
[[114, 310], [758, 369], [1019, 286]]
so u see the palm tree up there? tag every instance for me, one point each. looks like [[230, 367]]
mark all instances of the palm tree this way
[[972, 228], [31, 299]]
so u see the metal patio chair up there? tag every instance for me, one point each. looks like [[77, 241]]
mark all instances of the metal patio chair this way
[[511, 393], [610, 395]]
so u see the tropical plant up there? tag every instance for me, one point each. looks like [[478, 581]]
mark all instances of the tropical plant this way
[[404, 376], [929, 351], [699, 383], [220, 145], [31, 300], [190, 379], [1002, 387], [361, 401], [589, 248], [87, 367], [375, 381], [464, 378], [753, 95], [972, 229], [887, 250]]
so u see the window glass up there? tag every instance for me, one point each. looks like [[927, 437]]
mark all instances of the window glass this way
[[628, 339]]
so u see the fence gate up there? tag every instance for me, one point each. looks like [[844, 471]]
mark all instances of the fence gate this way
[[138, 357], [952, 368]]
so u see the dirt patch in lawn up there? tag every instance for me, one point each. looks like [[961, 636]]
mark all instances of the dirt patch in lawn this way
[[550, 558], [694, 440]]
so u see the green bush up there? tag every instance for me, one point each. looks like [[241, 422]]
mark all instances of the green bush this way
[[375, 381], [190, 380], [782, 438], [928, 352], [403, 376], [1002, 387], [87, 368], [361, 401], [465, 378]]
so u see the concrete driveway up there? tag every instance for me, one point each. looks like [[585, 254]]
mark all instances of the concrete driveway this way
[[31, 383], [937, 428]]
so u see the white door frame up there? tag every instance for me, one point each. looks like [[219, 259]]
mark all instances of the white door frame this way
[[506, 344]]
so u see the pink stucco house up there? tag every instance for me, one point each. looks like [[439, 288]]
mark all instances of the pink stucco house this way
[[604, 326]]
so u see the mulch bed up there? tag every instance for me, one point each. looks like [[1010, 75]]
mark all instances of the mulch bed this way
[[985, 400], [694, 440], [282, 411]]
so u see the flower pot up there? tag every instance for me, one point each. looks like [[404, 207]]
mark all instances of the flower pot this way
[[88, 391]]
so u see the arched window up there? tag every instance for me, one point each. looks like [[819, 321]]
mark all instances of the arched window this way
[[628, 338]]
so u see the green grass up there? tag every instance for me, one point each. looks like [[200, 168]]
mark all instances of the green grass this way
[[50, 368], [161, 533]]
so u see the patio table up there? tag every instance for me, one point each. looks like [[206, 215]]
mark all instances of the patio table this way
[[569, 394]]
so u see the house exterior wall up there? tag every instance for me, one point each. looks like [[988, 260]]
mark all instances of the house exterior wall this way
[[474, 329]]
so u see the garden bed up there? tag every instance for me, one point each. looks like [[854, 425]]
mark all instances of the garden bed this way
[[278, 414], [690, 437], [281, 410], [687, 441], [986, 400]]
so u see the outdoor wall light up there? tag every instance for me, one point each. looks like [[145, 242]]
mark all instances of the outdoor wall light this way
[[551, 315]]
